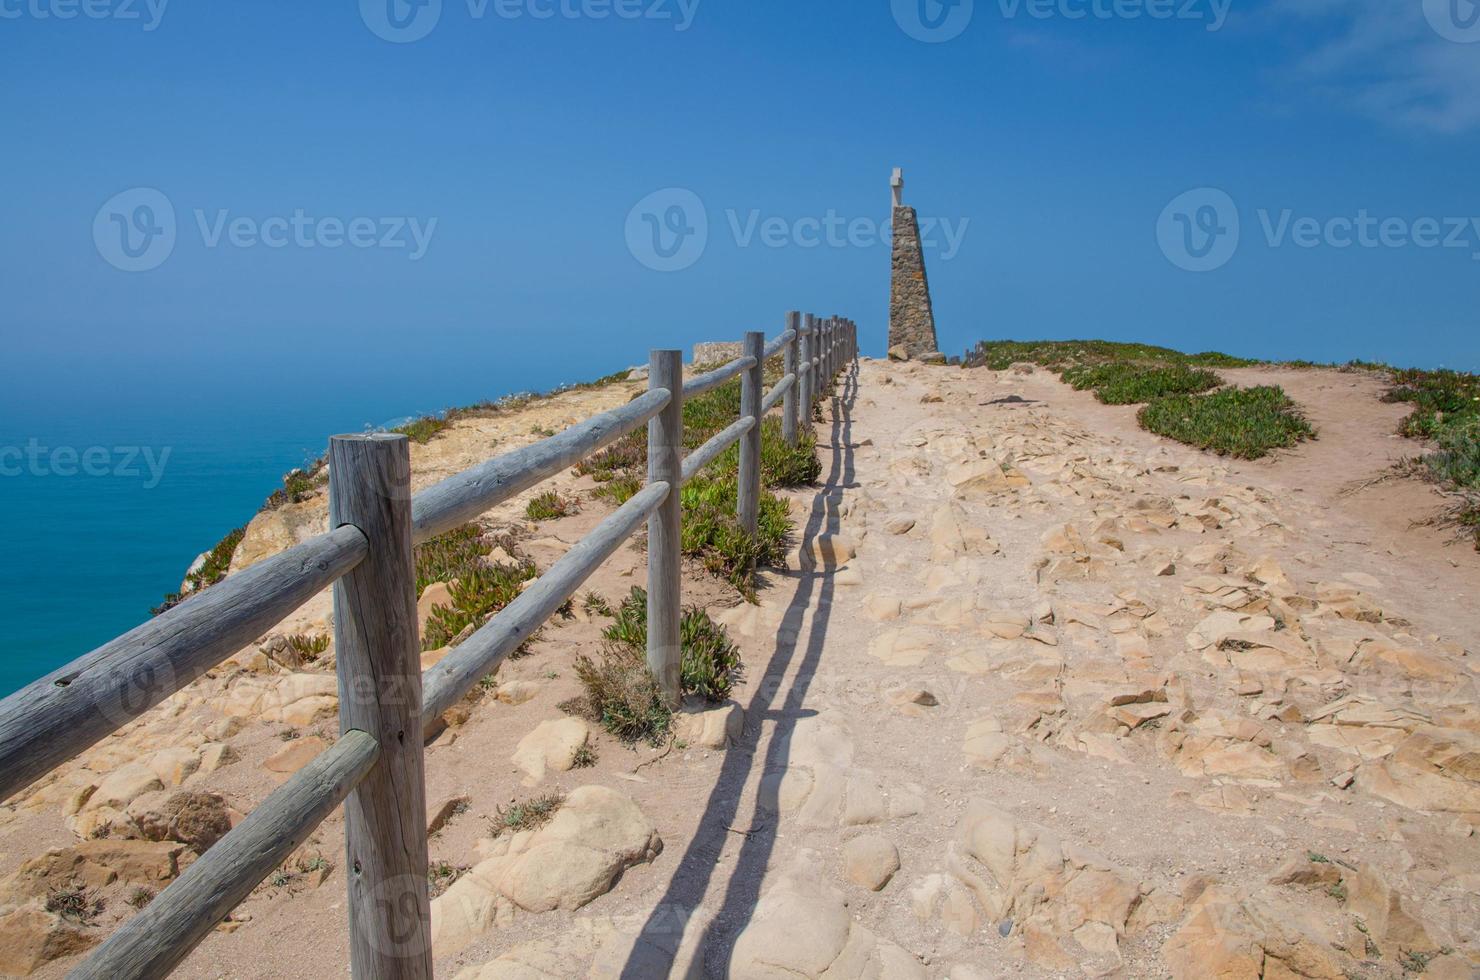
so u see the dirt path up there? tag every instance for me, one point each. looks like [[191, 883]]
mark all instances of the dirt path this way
[[1043, 696], [1098, 696]]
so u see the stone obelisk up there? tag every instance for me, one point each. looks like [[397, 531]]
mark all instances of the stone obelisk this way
[[911, 317]]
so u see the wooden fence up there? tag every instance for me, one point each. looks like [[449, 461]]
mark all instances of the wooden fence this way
[[376, 768]]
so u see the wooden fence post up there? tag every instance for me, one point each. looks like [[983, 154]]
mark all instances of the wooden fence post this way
[[751, 393], [789, 362], [808, 380], [379, 668], [665, 465]]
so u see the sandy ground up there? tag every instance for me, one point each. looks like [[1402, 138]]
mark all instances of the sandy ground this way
[[833, 752]]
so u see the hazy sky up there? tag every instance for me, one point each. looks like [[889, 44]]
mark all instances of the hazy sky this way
[[472, 195]]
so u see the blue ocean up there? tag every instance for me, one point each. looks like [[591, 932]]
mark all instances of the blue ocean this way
[[106, 498]]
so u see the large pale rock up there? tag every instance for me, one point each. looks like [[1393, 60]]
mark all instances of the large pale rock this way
[[1230, 937], [31, 937], [870, 861], [1062, 896], [123, 786], [829, 551], [554, 744], [710, 726], [295, 755], [596, 835], [801, 928], [952, 535]]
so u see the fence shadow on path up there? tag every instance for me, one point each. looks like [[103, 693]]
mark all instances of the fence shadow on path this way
[[772, 702]]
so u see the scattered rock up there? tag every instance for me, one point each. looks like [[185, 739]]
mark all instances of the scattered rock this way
[[870, 861], [295, 755], [554, 744]]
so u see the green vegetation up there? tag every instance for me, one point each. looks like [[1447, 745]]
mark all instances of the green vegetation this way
[[212, 570], [1124, 383], [75, 903], [1446, 409], [551, 506], [1057, 355], [1242, 422], [478, 588], [1246, 423], [421, 431], [526, 815], [300, 485], [711, 532], [441, 875], [621, 694]]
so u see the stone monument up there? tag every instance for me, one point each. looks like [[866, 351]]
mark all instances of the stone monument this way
[[911, 317]]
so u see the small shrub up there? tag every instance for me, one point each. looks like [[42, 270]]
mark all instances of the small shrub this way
[[299, 648], [217, 563], [621, 695], [585, 757], [450, 555], [300, 484], [1123, 383], [526, 815], [441, 875], [421, 431], [710, 661], [595, 604], [140, 897], [1242, 422], [476, 595], [551, 506], [75, 904]]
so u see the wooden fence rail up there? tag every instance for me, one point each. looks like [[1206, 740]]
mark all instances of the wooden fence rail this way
[[376, 768]]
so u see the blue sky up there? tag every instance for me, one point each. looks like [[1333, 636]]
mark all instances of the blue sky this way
[[1049, 137]]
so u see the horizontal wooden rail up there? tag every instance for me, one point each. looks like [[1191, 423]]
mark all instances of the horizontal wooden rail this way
[[697, 386], [153, 942], [444, 684], [69, 710], [775, 346], [717, 444], [458, 499], [774, 396]]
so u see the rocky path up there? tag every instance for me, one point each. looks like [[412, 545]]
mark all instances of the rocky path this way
[[1051, 697], [1043, 696]]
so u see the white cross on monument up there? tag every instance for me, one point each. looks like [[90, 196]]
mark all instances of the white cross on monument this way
[[897, 182]]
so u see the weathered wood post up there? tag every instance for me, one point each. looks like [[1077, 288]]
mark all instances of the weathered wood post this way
[[829, 335], [665, 465], [379, 667], [751, 392], [790, 361], [808, 380]]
